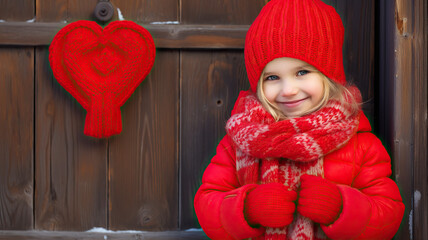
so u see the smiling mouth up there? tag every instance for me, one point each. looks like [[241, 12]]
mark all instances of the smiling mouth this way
[[291, 102], [294, 102]]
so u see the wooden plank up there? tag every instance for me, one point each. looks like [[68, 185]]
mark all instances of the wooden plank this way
[[64, 10], [211, 81], [71, 182], [17, 138], [44, 235], [80, 9], [403, 79], [387, 103], [141, 11], [50, 11], [165, 35], [146, 11], [221, 11], [199, 36], [17, 10], [420, 100], [403, 112], [16, 125], [143, 168], [410, 120]]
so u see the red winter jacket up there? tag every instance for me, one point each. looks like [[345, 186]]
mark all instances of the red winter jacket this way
[[372, 205]]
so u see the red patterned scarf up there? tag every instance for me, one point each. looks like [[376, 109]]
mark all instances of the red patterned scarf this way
[[270, 151]]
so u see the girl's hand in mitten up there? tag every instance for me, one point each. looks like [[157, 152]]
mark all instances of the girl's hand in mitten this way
[[319, 200], [270, 205]]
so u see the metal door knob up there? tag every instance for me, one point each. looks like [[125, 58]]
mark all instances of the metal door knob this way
[[104, 11]]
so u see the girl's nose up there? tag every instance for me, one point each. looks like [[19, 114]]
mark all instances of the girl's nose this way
[[289, 88]]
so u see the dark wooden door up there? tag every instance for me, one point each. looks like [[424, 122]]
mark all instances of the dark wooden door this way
[[53, 177]]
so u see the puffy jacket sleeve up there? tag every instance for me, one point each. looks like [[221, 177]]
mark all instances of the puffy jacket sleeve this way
[[219, 202], [372, 205]]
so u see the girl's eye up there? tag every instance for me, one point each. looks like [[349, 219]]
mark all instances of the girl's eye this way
[[302, 72], [272, 77]]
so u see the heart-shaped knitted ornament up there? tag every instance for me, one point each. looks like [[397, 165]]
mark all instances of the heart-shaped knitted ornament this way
[[102, 68]]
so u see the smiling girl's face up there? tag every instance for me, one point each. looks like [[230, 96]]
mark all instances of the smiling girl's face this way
[[293, 86]]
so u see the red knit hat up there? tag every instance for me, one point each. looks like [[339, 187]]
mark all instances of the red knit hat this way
[[309, 30]]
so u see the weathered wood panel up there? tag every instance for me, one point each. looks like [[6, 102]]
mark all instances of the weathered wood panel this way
[[143, 159], [165, 36], [71, 185], [16, 10], [220, 11], [386, 99], [141, 11], [410, 113], [64, 10], [403, 105], [143, 168], [420, 99], [16, 125], [71, 181], [211, 81], [16, 138], [146, 11], [402, 150]]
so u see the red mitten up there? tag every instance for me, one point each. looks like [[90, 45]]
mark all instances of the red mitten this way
[[319, 200], [270, 205]]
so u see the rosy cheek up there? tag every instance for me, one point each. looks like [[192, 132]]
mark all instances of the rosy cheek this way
[[269, 92]]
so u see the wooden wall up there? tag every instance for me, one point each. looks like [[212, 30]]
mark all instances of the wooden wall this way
[[402, 105], [53, 177], [17, 144]]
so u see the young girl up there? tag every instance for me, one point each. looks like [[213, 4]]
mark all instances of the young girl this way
[[298, 160]]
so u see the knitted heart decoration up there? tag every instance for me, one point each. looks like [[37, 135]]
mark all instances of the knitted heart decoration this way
[[102, 68]]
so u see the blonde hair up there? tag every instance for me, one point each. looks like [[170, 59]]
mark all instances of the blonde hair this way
[[332, 90]]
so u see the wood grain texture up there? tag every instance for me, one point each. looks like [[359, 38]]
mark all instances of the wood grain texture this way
[[143, 159], [16, 138], [140, 11], [211, 81], [147, 11], [64, 10], [402, 149], [220, 11], [420, 99], [71, 182], [165, 35], [410, 113], [51, 10], [143, 168], [16, 10], [16, 125], [384, 124], [38, 235]]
